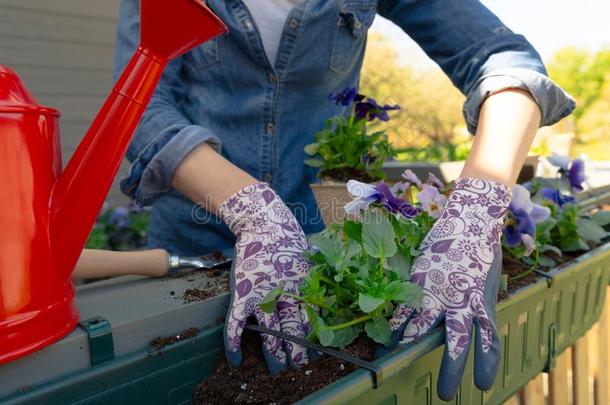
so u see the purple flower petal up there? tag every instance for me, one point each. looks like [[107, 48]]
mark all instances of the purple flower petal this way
[[559, 161], [432, 179], [370, 110], [539, 213], [524, 223], [346, 96], [576, 174], [555, 196], [394, 204], [530, 244], [512, 237], [411, 177]]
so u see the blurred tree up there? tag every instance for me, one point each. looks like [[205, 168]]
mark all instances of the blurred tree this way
[[594, 123], [429, 125], [582, 74]]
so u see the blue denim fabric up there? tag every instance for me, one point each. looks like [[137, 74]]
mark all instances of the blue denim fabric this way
[[260, 116]]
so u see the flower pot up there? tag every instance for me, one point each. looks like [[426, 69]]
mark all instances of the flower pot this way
[[331, 198], [535, 325]]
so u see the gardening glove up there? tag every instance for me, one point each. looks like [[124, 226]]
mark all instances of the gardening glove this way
[[459, 270], [268, 251]]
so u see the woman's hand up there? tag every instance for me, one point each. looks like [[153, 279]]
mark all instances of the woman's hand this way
[[268, 251], [459, 269]]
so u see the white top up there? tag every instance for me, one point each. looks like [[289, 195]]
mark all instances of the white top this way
[[270, 16]]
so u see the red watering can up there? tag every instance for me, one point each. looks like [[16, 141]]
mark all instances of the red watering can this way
[[46, 215]]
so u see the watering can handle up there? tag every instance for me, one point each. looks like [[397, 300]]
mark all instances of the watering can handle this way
[[81, 189]]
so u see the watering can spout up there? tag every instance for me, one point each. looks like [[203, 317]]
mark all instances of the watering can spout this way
[[167, 30]]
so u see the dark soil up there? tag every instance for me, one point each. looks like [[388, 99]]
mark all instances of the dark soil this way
[[252, 383], [160, 342], [345, 174], [513, 268], [218, 256], [218, 285], [195, 294]]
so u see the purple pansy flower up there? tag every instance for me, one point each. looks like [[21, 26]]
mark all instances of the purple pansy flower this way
[[365, 194], [120, 218], [432, 201], [518, 224], [522, 219], [435, 181], [369, 157], [346, 96], [411, 177], [554, 195], [400, 187], [370, 110], [562, 162], [573, 170], [529, 243], [394, 204], [576, 174]]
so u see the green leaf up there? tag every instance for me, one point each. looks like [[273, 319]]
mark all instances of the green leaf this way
[[379, 330], [530, 261], [325, 336], [401, 265], [550, 248], [353, 230], [368, 303], [353, 250], [363, 271], [546, 261], [404, 292], [269, 303], [378, 235], [345, 336], [314, 318], [591, 231], [545, 226], [311, 149], [601, 217], [330, 247], [314, 162]]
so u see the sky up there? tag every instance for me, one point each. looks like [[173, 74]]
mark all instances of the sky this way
[[548, 24]]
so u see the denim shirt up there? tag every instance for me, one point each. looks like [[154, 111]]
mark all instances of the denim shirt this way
[[259, 116]]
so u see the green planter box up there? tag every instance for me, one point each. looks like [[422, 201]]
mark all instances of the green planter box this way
[[536, 324]]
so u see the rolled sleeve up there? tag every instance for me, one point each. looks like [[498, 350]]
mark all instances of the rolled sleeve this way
[[478, 52], [152, 170], [165, 135], [554, 102]]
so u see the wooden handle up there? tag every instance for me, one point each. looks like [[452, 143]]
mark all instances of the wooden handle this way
[[105, 263]]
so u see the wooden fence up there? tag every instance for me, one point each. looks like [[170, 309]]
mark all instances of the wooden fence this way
[[581, 374]]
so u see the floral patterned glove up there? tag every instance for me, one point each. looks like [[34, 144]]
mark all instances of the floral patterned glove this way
[[267, 254], [459, 269]]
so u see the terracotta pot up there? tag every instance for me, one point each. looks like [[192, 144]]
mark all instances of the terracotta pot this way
[[331, 198]]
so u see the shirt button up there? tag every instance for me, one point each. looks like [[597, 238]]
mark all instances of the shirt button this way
[[270, 128], [267, 177], [293, 23], [272, 78], [357, 24], [248, 25]]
